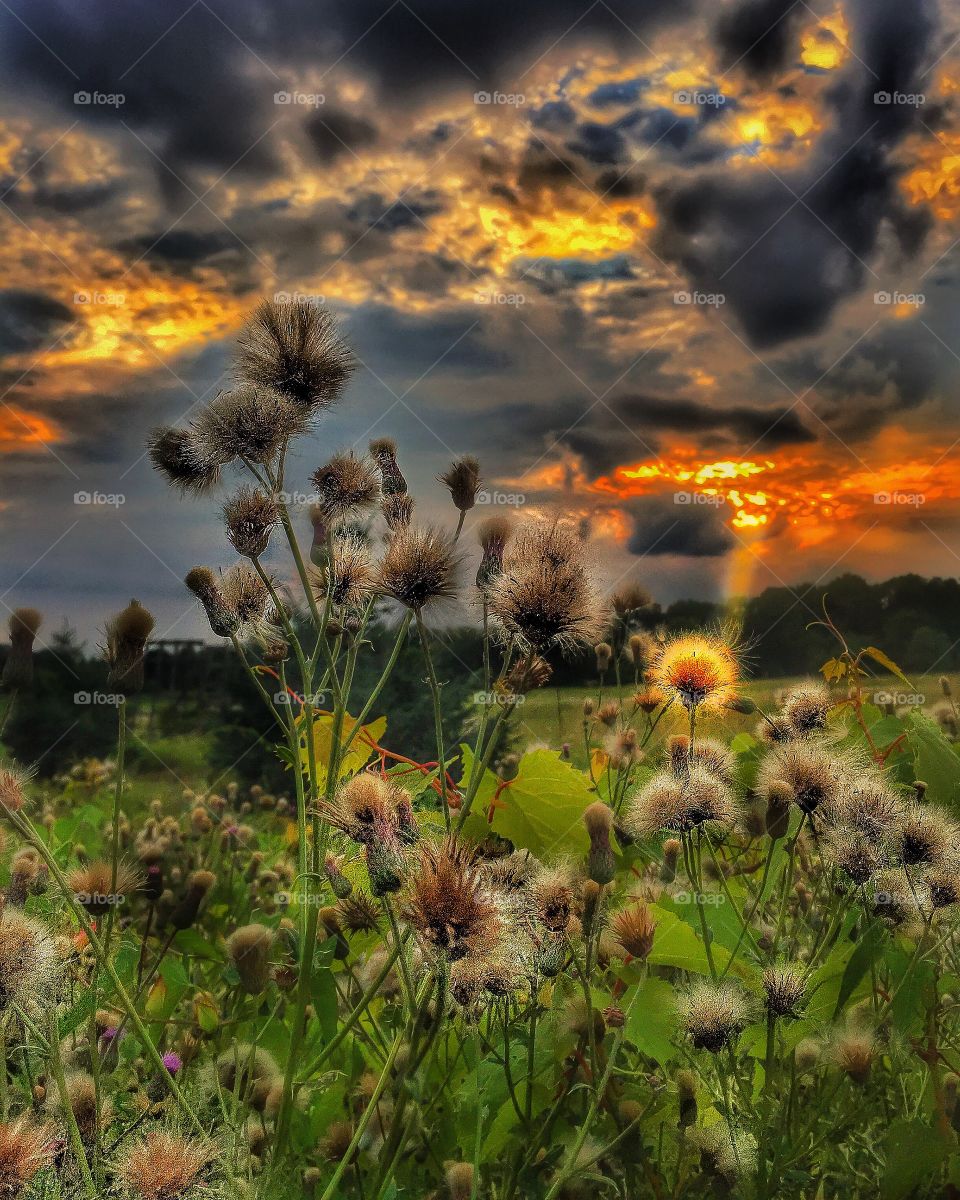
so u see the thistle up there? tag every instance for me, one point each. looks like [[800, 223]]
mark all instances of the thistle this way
[[183, 460], [785, 989], [249, 950], [224, 619], [29, 964], [248, 422], [25, 1148], [383, 451], [813, 774], [712, 1015], [127, 637], [634, 929], [462, 479], [699, 670], [18, 669], [419, 568], [448, 905], [250, 516], [679, 805], [348, 488], [165, 1166], [493, 535], [804, 710], [601, 864]]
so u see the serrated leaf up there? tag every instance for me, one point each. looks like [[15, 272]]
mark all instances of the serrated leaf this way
[[913, 1152], [833, 670], [886, 662], [653, 1020], [355, 758], [541, 810]]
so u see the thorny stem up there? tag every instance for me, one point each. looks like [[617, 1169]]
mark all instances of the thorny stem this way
[[437, 716]]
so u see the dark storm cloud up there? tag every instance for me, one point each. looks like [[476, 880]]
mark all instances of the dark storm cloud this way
[[617, 94], [786, 249], [674, 525], [334, 132], [184, 246], [598, 143], [373, 209], [30, 320], [758, 35]]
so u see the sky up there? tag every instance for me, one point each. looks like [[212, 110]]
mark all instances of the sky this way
[[683, 270]]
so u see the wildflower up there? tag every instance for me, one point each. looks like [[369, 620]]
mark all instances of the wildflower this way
[[728, 1152], [462, 479], [493, 535], [447, 903], [165, 1166], [648, 700], [771, 730], [609, 713], [601, 864], [708, 753], [127, 637], [13, 780], [869, 807], [94, 887], [247, 422], [249, 949], [552, 895], [854, 1051], [419, 568], [18, 669], [365, 810], [349, 574], [359, 913], [804, 710], [604, 653], [944, 885], [294, 347], [25, 1148], [172, 1062], [384, 454], [224, 620], [813, 773], [27, 874], [712, 1015], [543, 597], [623, 749], [250, 1072], [81, 1096], [245, 594], [699, 670], [634, 929], [183, 459], [785, 989], [459, 1180], [347, 488], [526, 676], [29, 963], [250, 516], [924, 835], [187, 909], [701, 799], [853, 853]]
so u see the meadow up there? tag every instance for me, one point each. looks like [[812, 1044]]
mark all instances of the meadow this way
[[676, 933]]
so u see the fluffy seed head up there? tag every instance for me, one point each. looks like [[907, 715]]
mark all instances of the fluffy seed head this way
[[634, 929], [552, 895], [12, 783], [448, 904], [348, 487], [493, 535], [294, 347], [397, 511], [383, 451], [785, 990], [127, 635], [854, 1051], [813, 774], [18, 669], [708, 753], [245, 594], [679, 805], [25, 1147], [630, 599], [699, 670], [178, 455], [223, 618], [543, 596], [249, 949], [419, 567], [93, 885], [925, 834], [349, 575], [854, 853], [81, 1096], [462, 479], [867, 805], [712, 1015], [250, 516], [804, 710], [187, 909], [247, 422], [164, 1166]]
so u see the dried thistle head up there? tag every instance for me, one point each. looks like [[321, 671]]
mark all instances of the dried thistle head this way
[[25, 1148], [249, 950], [804, 709], [448, 904], [94, 888], [347, 487], [854, 1050], [708, 753], [553, 897], [18, 669], [712, 1015], [925, 834], [853, 853], [679, 805], [813, 773], [359, 913], [294, 347], [13, 781], [641, 649], [397, 510], [250, 516], [224, 619], [700, 670], [634, 928], [785, 988], [165, 1166], [725, 1152], [630, 599], [245, 594], [187, 908], [526, 676], [462, 479], [81, 1096], [493, 535], [249, 422], [869, 806], [383, 451], [179, 456], [419, 567], [127, 635], [544, 597], [349, 575]]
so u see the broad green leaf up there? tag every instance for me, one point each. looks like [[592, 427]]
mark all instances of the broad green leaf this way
[[356, 757], [541, 810], [913, 1153], [935, 761], [885, 661], [653, 1020]]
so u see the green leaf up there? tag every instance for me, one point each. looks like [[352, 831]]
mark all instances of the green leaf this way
[[541, 810], [913, 1152], [865, 952], [194, 944], [934, 761], [653, 1021], [886, 662]]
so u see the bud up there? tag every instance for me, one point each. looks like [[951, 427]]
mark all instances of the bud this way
[[249, 949], [614, 1017], [604, 653], [687, 1097], [671, 855], [224, 621], [18, 669], [187, 909], [741, 704], [462, 478], [459, 1177], [341, 885], [601, 864], [384, 454], [589, 708], [777, 818], [127, 637]]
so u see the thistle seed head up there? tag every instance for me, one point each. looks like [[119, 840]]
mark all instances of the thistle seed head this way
[[248, 422], [18, 669], [712, 1015], [250, 516], [419, 568], [383, 451], [348, 488], [462, 479], [804, 710], [179, 456], [165, 1166], [127, 635], [224, 619], [249, 949]]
